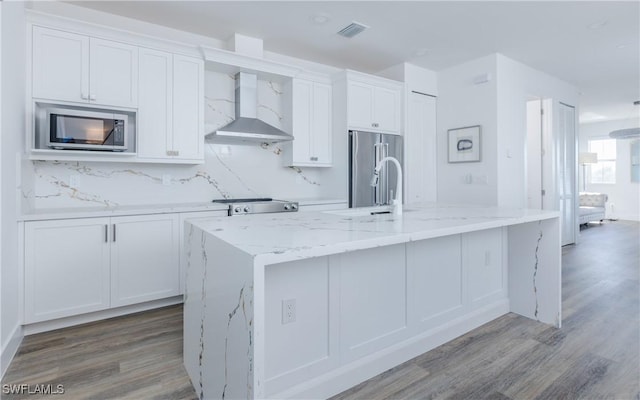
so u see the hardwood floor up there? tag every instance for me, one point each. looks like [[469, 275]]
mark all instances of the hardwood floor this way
[[596, 354], [138, 356]]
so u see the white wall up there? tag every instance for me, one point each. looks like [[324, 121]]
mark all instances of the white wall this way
[[499, 105], [517, 83], [461, 103], [12, 130], [624, 195]]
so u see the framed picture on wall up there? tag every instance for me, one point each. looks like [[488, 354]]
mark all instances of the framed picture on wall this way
[[464, 144]]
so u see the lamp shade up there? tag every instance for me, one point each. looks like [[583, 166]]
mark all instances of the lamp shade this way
[[588, 158]]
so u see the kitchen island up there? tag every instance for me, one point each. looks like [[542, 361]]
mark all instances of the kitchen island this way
[[308, 304]]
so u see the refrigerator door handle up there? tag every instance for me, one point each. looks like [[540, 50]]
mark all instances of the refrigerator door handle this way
[[384, 184], [377, 191]]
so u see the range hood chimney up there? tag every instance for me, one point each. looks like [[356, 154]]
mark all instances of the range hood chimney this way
[[247, 128]]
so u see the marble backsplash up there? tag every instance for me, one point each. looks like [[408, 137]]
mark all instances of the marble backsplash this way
[[229, 170]]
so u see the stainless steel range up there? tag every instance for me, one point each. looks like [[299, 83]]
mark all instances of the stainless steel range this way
[[258, 205]]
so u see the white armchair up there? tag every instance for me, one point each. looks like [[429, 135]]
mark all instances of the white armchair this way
[[592, 207]]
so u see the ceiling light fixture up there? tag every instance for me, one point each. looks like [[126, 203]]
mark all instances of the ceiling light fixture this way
[[352, 29], [320, 18], [627, 133]]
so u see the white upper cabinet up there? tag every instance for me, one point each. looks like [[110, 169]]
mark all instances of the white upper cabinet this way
[[171, 107], [188, 108], [374, 105], [155, 115], [113, 73], [60, 65], [309, 120], [77, 68]]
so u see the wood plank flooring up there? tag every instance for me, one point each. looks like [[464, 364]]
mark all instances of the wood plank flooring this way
[[138, 356], [596, 354]]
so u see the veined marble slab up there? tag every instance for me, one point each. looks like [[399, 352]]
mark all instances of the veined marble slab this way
[[284, 237]]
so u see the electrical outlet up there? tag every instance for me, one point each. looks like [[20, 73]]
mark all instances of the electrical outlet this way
[[166, 179], [288, 311]]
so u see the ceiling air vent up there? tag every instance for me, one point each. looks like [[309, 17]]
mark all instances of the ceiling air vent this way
[[352, 29]]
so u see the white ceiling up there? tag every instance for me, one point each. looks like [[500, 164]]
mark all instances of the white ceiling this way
[[593, 45]]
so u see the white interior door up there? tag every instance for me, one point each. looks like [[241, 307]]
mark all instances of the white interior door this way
[[567, 172], [534, 154]]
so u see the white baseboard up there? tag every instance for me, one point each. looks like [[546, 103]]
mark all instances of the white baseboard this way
[[349, 375], [98, 315], [10, 349]]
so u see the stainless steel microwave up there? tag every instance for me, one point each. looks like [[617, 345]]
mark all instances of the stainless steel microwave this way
[[86, 130]]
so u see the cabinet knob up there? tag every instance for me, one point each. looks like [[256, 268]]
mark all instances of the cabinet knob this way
[[313, 158], [173, 152], [92, 96], [84, 96], [375, 124]]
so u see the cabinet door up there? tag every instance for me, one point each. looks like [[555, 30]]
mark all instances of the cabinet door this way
[[144, 258], [66, 268], [113, 73], [420, 149], [188, 108], [60, 65], [482, 258], [321, 124], [155, 107], [360, 105], [386, 109], [302, 110]]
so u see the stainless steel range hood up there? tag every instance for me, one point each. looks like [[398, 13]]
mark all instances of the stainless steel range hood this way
[[247, 128]]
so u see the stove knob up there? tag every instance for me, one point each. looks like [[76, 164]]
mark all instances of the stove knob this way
[[294, 206], [287, 207], [237, 209], [247, 209]]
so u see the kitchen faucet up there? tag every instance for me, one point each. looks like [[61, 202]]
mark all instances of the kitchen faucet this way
[[397, 202]]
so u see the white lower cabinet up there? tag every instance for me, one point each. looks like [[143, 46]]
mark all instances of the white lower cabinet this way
[[482, 257], [77, 266], [66, 268], [355, 305], [144, 258]]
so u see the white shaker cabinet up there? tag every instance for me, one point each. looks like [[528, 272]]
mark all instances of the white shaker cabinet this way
[[374, 106], [66, 268], [144, 258], [482, 257], [76, 266], [113, 73], [309, 122], [82, 69], [171, 108]]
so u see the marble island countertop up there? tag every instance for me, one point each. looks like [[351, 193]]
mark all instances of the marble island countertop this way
[[289, 236]]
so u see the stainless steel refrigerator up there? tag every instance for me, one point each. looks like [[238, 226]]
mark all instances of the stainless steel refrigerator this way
[[365, 150]]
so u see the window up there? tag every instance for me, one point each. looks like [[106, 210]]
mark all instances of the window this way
[[605, 170]]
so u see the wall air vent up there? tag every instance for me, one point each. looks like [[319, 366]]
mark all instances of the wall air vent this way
[[352, 29]]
